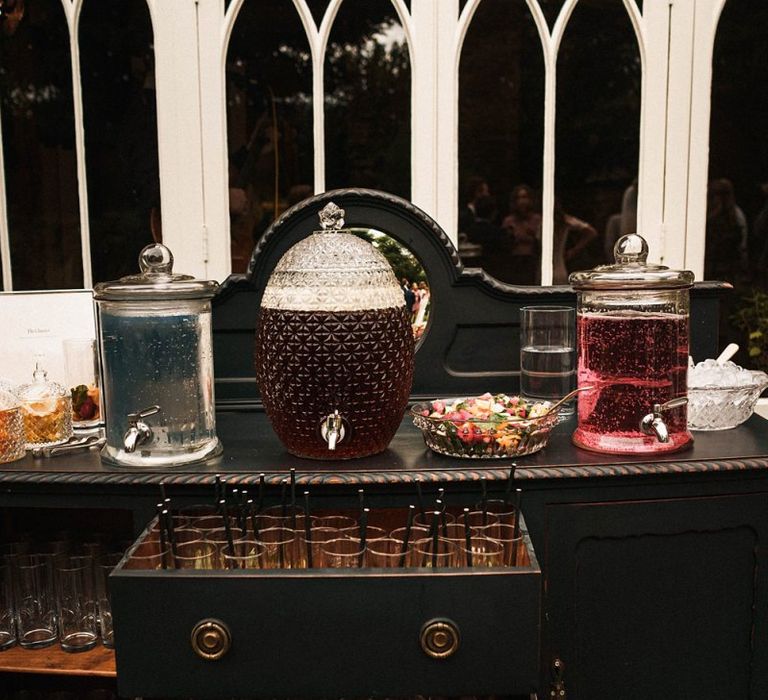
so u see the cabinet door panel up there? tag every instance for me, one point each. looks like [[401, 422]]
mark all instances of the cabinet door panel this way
[[659, 599]]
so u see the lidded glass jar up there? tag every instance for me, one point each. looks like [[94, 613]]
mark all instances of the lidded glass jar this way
[[157, 363], [632, 321], [46, 408], [334, 346]]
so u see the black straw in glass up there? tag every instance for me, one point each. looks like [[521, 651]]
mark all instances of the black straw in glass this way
[[435, 534], [293, 498], [216, 489], [254, 521], [363, 534], [439, 505], [307, 530], [161, 529], [162, 491], [468, 537], [510, 481], [516, 531], [222, 492], [242, 511], [283, 496], [441, 495], [361, 499], [171, 533], [260, 503], [227, 527], [407, 536], [419, 498], [484, 499]]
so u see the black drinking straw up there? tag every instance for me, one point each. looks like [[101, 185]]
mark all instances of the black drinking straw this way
[[361, 499], [171, 533], [242, 512], [510, 481], [407, 536], [260, 503], [162, 491], [216, 489], [435, 534], [484, 499], [516, 531], [222, 492], [293, 497], [419, 498], [307, 530], [467, 537], [235, 504], [283, 496], [363, 534], [161, 528], [227, 528], [441, 495], [247, 512], [254, 521], [439, 505]]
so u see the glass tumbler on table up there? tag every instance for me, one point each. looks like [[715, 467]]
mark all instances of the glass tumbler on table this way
[[83, 381], [548, 354]]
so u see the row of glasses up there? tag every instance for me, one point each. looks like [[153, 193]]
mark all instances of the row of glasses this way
[[55, 592], [202, 540]]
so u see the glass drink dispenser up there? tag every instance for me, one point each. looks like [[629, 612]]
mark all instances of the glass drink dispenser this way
[[157, 361], [632, 342]]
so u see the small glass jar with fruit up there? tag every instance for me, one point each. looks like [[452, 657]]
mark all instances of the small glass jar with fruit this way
[[46, 408]]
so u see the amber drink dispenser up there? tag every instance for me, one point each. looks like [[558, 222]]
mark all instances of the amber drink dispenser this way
[[632, 337], [334, 346]]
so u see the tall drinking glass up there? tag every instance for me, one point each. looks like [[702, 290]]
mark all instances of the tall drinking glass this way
[[548, 354], [7, 621], [104, 567], [76, 601], [35, 607]]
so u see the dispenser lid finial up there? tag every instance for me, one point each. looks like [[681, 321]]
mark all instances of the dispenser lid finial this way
[[331, 217]]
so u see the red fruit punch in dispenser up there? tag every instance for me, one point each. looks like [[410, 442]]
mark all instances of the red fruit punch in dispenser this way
[[632, 343]]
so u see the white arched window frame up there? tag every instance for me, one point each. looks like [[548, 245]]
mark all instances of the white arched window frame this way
[[675, 41]]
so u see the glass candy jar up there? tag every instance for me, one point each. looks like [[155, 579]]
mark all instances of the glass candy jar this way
[[46, 409], [157, 363], [632, 342], [334, 346]]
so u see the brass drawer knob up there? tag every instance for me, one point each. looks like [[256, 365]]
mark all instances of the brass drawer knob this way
[[440, 638], [211, 639]]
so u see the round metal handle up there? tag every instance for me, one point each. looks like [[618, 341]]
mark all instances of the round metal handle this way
[[211, 639], [440, 638]]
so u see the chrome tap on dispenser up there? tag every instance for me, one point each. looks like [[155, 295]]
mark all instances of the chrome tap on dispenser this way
[[138, 431], [653, 423]]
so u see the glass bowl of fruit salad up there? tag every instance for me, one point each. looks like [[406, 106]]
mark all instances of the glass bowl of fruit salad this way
[[491, 426]]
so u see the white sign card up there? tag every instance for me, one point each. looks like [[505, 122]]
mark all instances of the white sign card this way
[[37, 323]]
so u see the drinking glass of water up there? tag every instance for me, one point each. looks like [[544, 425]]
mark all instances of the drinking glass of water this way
[[548, 354]]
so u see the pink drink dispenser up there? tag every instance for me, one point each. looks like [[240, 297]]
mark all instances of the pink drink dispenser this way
[[632, 321]]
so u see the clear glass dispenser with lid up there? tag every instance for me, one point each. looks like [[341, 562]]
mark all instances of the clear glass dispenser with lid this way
[[157, 363], [632, 344]]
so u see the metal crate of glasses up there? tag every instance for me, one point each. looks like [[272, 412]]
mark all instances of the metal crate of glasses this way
[[218, 603]]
